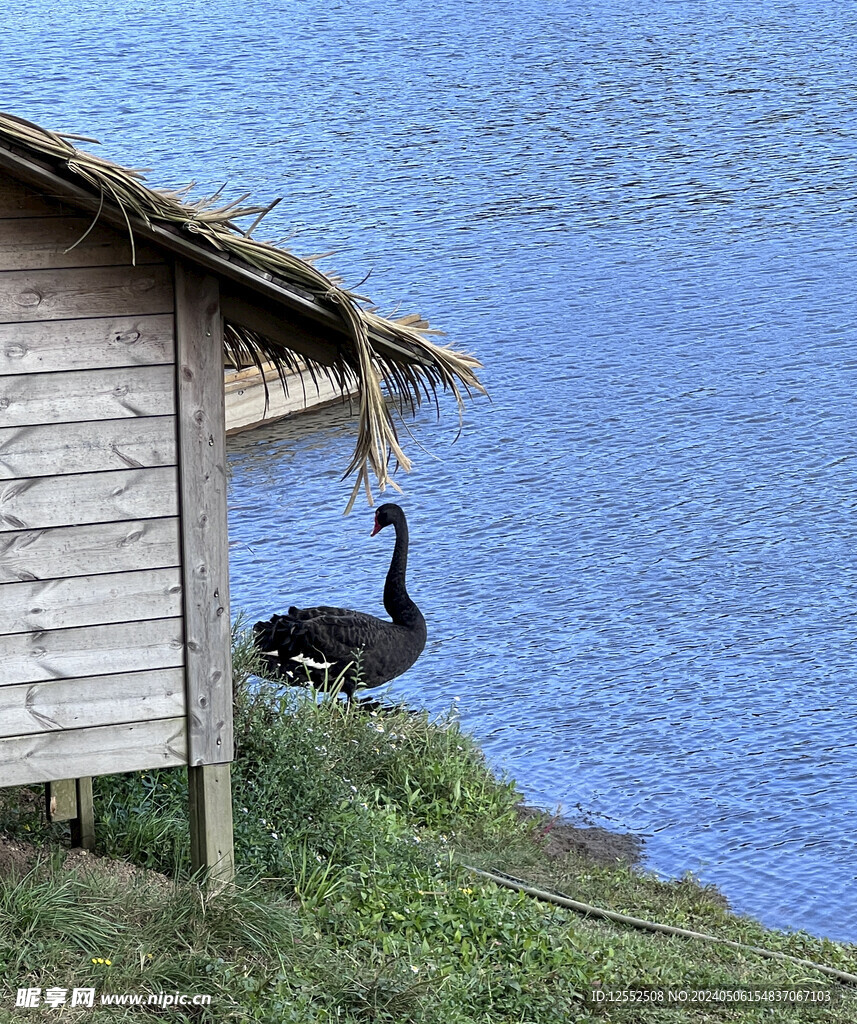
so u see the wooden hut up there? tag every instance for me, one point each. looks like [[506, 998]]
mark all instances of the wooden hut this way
[[117, 303]]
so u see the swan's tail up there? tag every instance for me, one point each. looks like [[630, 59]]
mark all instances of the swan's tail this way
[[289, 658]]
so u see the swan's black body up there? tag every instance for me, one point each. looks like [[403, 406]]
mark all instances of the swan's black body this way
[[318, 646]]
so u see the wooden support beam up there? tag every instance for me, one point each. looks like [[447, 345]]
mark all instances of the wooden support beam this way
[[61, 800], [210, 802], [83, 824], [248, 405], [202, 486], [202, 481], [265, 318]]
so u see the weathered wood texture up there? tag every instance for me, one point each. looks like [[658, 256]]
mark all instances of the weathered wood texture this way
[[19, 200], [248, 406], [43, 449], [98, 751], [82, 702], [38, 502], [89, 600], [28, 295], [202, 453], [210, 805], [81, 550], [61, 800], [35, 243], [99, 343], [86, 395], [91, 650], [114, 614], [91, 608]]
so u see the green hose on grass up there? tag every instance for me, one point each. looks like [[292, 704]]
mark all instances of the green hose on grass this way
[[611, 915]]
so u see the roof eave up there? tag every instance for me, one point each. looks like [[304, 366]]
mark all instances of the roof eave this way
[[44, 176]]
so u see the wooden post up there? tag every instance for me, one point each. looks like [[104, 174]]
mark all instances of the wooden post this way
[[71, 800], [202, 486], [210, 795], [83, 824], [61, 800]]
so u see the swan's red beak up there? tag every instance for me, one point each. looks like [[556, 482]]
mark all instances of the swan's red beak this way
[[377, 528]]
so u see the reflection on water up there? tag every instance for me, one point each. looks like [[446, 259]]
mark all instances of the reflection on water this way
[[637, 564]]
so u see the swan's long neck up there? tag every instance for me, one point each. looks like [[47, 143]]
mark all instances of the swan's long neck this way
[[398, 603]]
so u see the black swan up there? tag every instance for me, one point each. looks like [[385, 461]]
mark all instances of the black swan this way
[[318, 646]]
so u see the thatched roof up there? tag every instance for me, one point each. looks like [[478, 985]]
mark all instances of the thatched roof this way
[[392, 361]]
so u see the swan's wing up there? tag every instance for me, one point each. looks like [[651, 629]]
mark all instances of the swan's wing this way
[[280, 631], [326, 633], [337, 633], [306, 614]]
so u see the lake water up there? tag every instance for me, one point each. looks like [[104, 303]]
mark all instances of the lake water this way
[[638, 561]]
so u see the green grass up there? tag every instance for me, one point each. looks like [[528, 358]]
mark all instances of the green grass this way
[[352, 904]]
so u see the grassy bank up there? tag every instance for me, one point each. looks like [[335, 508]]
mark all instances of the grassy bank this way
[[352, 904]]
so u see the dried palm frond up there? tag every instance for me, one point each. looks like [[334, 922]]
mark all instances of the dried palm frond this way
[[409, 369]]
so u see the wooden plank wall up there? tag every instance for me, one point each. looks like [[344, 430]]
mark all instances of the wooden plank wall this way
[[91, 605]]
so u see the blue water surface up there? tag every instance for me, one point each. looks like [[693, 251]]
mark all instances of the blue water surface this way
[[637, 562]]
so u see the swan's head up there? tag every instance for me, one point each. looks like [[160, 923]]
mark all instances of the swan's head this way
[[387, 514]]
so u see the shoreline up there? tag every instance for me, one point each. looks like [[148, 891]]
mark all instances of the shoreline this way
[[559, 837]]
